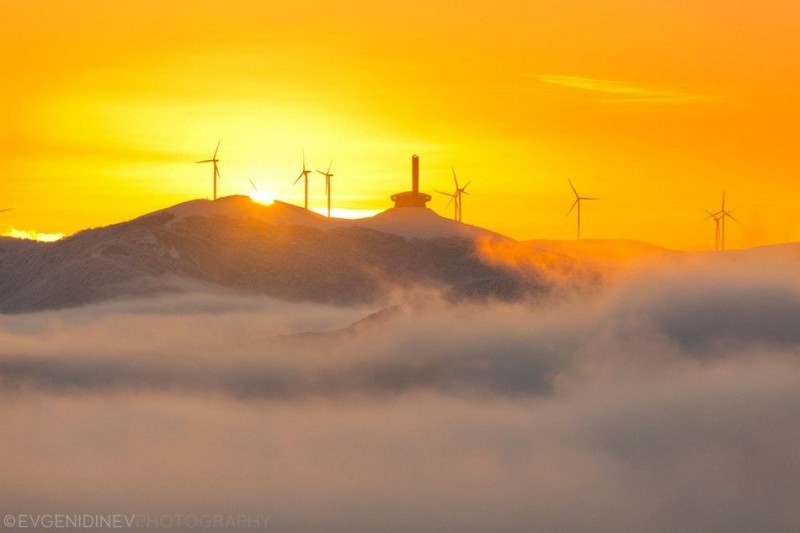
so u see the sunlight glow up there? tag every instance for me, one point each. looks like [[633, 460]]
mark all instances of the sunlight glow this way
[[31, 235], [262, 197]]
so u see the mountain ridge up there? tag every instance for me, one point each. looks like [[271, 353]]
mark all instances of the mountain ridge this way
[[277, 250]]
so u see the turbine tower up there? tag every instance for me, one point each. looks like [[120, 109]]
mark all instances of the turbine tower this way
[[304, 174], [215, 175], [719, 218], [716, 227], [577, 202], [450, 201], [456, 196], [328, 177]]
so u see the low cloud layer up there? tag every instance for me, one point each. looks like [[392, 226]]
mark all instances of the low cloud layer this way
[[666, 402]]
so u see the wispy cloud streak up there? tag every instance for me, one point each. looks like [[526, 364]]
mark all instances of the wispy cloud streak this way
[[618, 92]]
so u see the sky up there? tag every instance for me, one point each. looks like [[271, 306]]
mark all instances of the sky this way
[[654, 107]]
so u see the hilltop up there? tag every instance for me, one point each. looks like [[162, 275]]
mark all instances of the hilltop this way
[[412, 222]]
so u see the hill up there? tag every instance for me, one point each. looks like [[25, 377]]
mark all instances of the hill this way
[[279, 250]]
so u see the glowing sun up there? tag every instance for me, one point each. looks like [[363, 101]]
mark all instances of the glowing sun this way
[[262, 197]]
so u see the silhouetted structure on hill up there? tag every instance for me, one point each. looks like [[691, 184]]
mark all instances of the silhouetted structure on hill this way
[[412, 198]]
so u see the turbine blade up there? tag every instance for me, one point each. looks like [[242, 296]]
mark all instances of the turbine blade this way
[[217, 149], [329, 167], [299, 177], [577, 200], [4, 210], [729, 215], [321, 172], [253, 184], [588, 198], [205, 161], [573, 188], [465, 186]]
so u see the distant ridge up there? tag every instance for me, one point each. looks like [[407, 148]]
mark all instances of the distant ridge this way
[[603, 249]]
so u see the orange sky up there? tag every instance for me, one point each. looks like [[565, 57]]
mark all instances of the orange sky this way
[[653, 106]]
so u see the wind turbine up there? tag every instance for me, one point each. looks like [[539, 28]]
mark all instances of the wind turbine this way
[[328, 177], [216, 170], [577, 202], [459, 192], [456, 196], [304, 174], [721, 215]]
